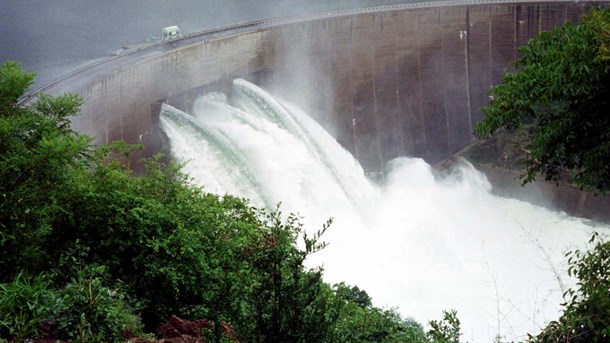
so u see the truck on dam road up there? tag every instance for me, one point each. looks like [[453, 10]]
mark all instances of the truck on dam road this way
[[170, 32]]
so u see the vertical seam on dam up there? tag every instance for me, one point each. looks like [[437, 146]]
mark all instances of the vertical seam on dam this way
[[467, 62]]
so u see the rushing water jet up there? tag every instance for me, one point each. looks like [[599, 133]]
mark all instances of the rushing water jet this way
[[417, 241]]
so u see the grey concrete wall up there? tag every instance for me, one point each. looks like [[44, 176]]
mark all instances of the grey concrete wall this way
[[406, 81], [390, 83], [121, 105]]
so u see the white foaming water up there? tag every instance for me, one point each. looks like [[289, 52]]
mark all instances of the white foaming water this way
[[420, 243]]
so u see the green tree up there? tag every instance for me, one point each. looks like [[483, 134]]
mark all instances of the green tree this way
[[561, 93], [359, 321], [374, 325], [353, 294], [586, 315], [39, 153], [288, 301], [177, 249], [446, 330]]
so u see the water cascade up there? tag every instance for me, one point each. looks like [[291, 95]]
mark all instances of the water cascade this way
[[416, 240]]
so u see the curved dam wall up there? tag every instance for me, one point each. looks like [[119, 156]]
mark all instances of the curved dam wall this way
[[388, 82]]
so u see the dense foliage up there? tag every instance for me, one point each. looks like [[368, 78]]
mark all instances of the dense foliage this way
[[586, 317], [90, 252], [560, 94]]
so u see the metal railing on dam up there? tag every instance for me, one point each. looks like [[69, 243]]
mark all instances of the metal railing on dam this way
[[387, 81]]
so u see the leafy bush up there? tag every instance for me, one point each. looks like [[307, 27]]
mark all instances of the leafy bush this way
[[446, 330], [178, 249], [560, 92], [586, 317], [92, 312], [40, 155], [286, 302], [359, 321], [25, 303], [82, 311]]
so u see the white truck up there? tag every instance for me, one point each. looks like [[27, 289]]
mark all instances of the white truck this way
[[170, 32]]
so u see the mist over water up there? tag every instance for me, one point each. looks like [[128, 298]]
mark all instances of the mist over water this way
[[417, 241]]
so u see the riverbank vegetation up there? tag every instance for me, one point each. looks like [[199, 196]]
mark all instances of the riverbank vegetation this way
[[556, 105], [550, 118]]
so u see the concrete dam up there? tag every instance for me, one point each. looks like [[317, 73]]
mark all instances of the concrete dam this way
[[402, 80]]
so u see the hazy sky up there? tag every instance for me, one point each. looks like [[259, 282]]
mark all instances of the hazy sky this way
[[53, 37]]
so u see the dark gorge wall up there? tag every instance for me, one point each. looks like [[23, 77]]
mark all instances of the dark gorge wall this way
[[404, 80]]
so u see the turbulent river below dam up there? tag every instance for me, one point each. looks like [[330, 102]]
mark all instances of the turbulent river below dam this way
[[416, 241]]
